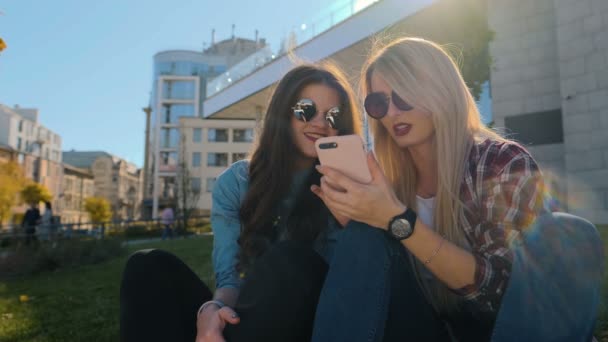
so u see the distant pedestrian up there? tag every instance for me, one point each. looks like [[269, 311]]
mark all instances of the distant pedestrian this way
[[30, 220], [166, 219], [46, 221]]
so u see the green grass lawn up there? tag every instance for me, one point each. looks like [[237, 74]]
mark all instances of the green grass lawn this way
[[82, 304]]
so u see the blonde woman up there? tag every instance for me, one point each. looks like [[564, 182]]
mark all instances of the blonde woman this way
[[453, 218]]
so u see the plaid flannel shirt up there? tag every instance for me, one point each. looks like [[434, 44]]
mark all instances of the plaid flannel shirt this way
[[502, 194]]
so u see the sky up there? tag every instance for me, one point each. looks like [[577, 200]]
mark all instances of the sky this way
[[87, 64]]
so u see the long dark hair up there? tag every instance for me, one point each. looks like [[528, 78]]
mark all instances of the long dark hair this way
[[273, 164]]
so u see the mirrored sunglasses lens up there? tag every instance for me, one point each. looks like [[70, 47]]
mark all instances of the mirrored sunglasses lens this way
[[304, 110], [332, 116], [400, 103], [331, 120], [309, 111], [376, 105]]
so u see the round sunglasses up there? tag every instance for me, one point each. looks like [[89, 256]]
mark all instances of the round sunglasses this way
[[376, 104], [306, 109]]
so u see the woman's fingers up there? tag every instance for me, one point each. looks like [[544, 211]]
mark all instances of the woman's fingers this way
[[374, 167], [229, 316], [330, 192], [337, 179]]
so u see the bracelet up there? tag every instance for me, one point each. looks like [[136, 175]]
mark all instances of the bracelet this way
[[205, 304], [427, 261]]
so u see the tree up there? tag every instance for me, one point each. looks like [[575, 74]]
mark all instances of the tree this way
[[188, 193], [460, 26], [98, 208], [11, 183], [35, 193]]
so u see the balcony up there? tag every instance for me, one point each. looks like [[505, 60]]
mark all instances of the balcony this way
[[328, 37]]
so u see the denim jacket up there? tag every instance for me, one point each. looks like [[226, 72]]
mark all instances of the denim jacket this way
[[228, 194]]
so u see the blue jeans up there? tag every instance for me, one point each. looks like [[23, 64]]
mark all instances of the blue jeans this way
[[167, 232], [554, 290], [370, 293]]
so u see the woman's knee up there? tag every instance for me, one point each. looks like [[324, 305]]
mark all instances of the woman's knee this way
[[567, 230], [146, 261], [570, 240]]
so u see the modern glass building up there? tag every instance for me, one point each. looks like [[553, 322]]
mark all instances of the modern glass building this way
[[179, 88]]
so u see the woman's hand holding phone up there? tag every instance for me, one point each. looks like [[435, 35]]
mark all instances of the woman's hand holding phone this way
[[342, 220], [374, 203]]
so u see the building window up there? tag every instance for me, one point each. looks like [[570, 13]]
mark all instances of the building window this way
[[217, 135], [536, 128], [210, 184], [243, 135], [114, 179], [20, 126], [68, 185], [196, 159], [19, 143], [168, 162], [172, 112], [217, 159], [197, 135], [167, 187], [195, 184], [238, 156], [182, 90], [169, 138]]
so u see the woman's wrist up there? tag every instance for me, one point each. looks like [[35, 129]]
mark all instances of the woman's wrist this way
[[391, 211], [217, 303]]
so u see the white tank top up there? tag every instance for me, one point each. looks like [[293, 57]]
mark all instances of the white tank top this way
[[426, 207]]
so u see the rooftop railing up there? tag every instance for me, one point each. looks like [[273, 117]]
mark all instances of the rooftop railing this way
[[333, 15]]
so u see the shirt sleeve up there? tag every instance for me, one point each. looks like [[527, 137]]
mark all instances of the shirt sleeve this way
[[226, 228], [511, 197]]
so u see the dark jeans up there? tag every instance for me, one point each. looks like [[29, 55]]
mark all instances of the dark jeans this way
[[167, 232], [370, 293], [160, 297], [554, 290], [30, 235]]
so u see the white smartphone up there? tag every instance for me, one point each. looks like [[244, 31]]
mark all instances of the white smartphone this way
[[345, 153]]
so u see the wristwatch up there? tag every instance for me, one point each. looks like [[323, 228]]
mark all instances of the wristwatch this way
[[401, 226]]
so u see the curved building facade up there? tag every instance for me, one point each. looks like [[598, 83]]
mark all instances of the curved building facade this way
[[178, 90]]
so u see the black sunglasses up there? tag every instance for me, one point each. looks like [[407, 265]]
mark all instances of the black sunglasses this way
[[305, 110], [376, 104]]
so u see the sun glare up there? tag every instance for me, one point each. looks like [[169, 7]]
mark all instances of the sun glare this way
[[361, 4]]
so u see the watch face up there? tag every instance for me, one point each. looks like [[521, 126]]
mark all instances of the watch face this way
[[401, 228]]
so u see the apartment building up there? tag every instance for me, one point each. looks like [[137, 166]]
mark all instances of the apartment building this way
[[179, 89], [78, 185], [114, 179], [37, 148], [207, 148]]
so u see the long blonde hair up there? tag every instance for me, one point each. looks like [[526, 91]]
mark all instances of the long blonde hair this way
[[425, 76]]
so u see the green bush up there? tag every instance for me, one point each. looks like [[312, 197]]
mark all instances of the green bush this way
[[36, 258], [141, 231], [200, 228]]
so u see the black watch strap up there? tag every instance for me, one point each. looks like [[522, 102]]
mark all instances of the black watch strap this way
[[402, 226]]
